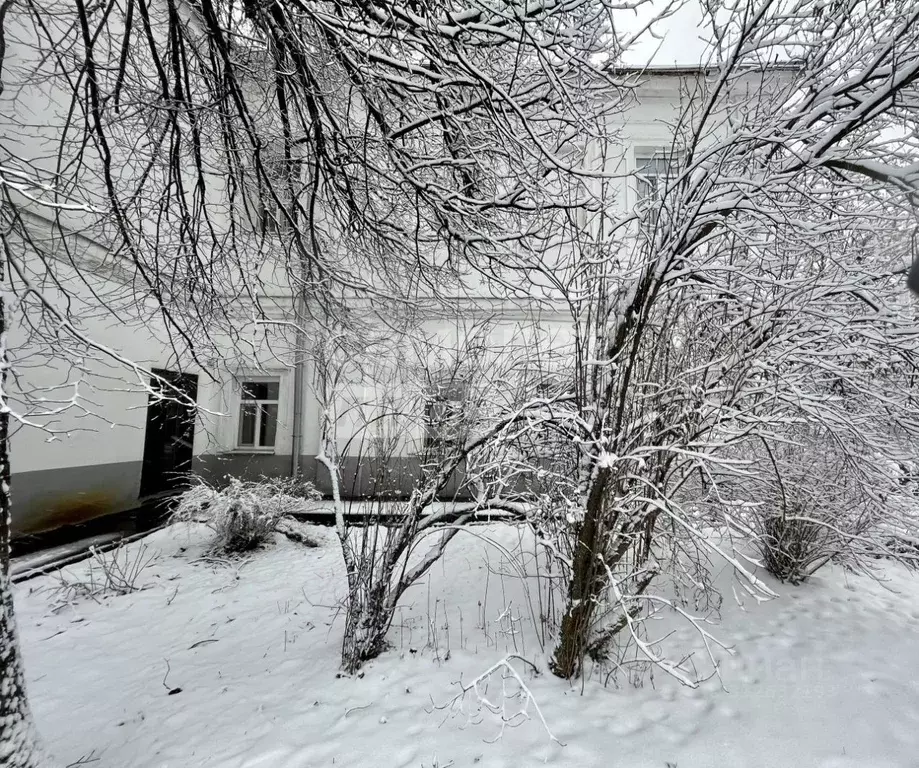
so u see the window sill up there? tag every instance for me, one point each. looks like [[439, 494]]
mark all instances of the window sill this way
[[250, 450]]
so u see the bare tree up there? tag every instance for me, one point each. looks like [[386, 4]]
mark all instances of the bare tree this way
[[438, 407], [756, 285], [19, 746], [214, 168]]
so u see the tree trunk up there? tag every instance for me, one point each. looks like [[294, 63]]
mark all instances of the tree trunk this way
[[19, 747], [584, 588], [606, 540], [366, 625]]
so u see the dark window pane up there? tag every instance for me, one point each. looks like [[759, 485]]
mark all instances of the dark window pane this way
[[269, 427], [247, 425], [252, 390], [260, 390]]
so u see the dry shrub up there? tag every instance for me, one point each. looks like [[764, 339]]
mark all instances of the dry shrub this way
[[793, 548], [111, 572], [819, 504]]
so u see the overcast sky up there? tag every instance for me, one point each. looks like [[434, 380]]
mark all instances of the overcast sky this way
[[679, 35]]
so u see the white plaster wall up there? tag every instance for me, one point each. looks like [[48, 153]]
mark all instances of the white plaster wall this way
[[112, 429], [400, 387], [105, 423]]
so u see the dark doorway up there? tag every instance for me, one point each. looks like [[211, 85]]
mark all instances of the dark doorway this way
[[170, 434]]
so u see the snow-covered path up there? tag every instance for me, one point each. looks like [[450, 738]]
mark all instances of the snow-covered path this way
[[826, 675]]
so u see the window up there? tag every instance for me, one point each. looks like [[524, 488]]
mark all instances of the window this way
[[258, 413], [446, 418], [653, 168], [269, 215], [273, 218]]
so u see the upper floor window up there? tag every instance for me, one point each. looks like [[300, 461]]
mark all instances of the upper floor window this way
[[271, 199], [258, 413], [653, 168]]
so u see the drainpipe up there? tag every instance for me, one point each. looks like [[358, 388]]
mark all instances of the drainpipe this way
[[299, 380]]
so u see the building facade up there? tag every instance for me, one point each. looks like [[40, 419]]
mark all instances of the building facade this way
[[95, 435]]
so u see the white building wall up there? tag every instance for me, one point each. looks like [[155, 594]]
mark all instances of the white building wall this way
[[87, 461]]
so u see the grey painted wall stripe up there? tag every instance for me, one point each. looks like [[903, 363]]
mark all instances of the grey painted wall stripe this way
[[49, 498]]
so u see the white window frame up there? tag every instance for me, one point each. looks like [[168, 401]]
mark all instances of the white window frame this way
[[267, 217], [254, 447], [445, 414], [643, 157]]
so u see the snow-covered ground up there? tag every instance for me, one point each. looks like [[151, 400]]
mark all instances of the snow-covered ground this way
[[219, 664], [36, 561]]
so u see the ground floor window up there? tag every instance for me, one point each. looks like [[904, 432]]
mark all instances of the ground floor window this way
[[258, 413], [446, 418]]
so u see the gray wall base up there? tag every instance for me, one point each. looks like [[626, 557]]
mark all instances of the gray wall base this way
[[50, 498], [360, 478]]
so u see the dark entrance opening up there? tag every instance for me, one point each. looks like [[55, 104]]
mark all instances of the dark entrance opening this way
[[170, 433]]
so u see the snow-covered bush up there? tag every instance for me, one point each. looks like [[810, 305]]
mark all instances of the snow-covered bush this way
[[815, 498], [794, 547], [243, 514]]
